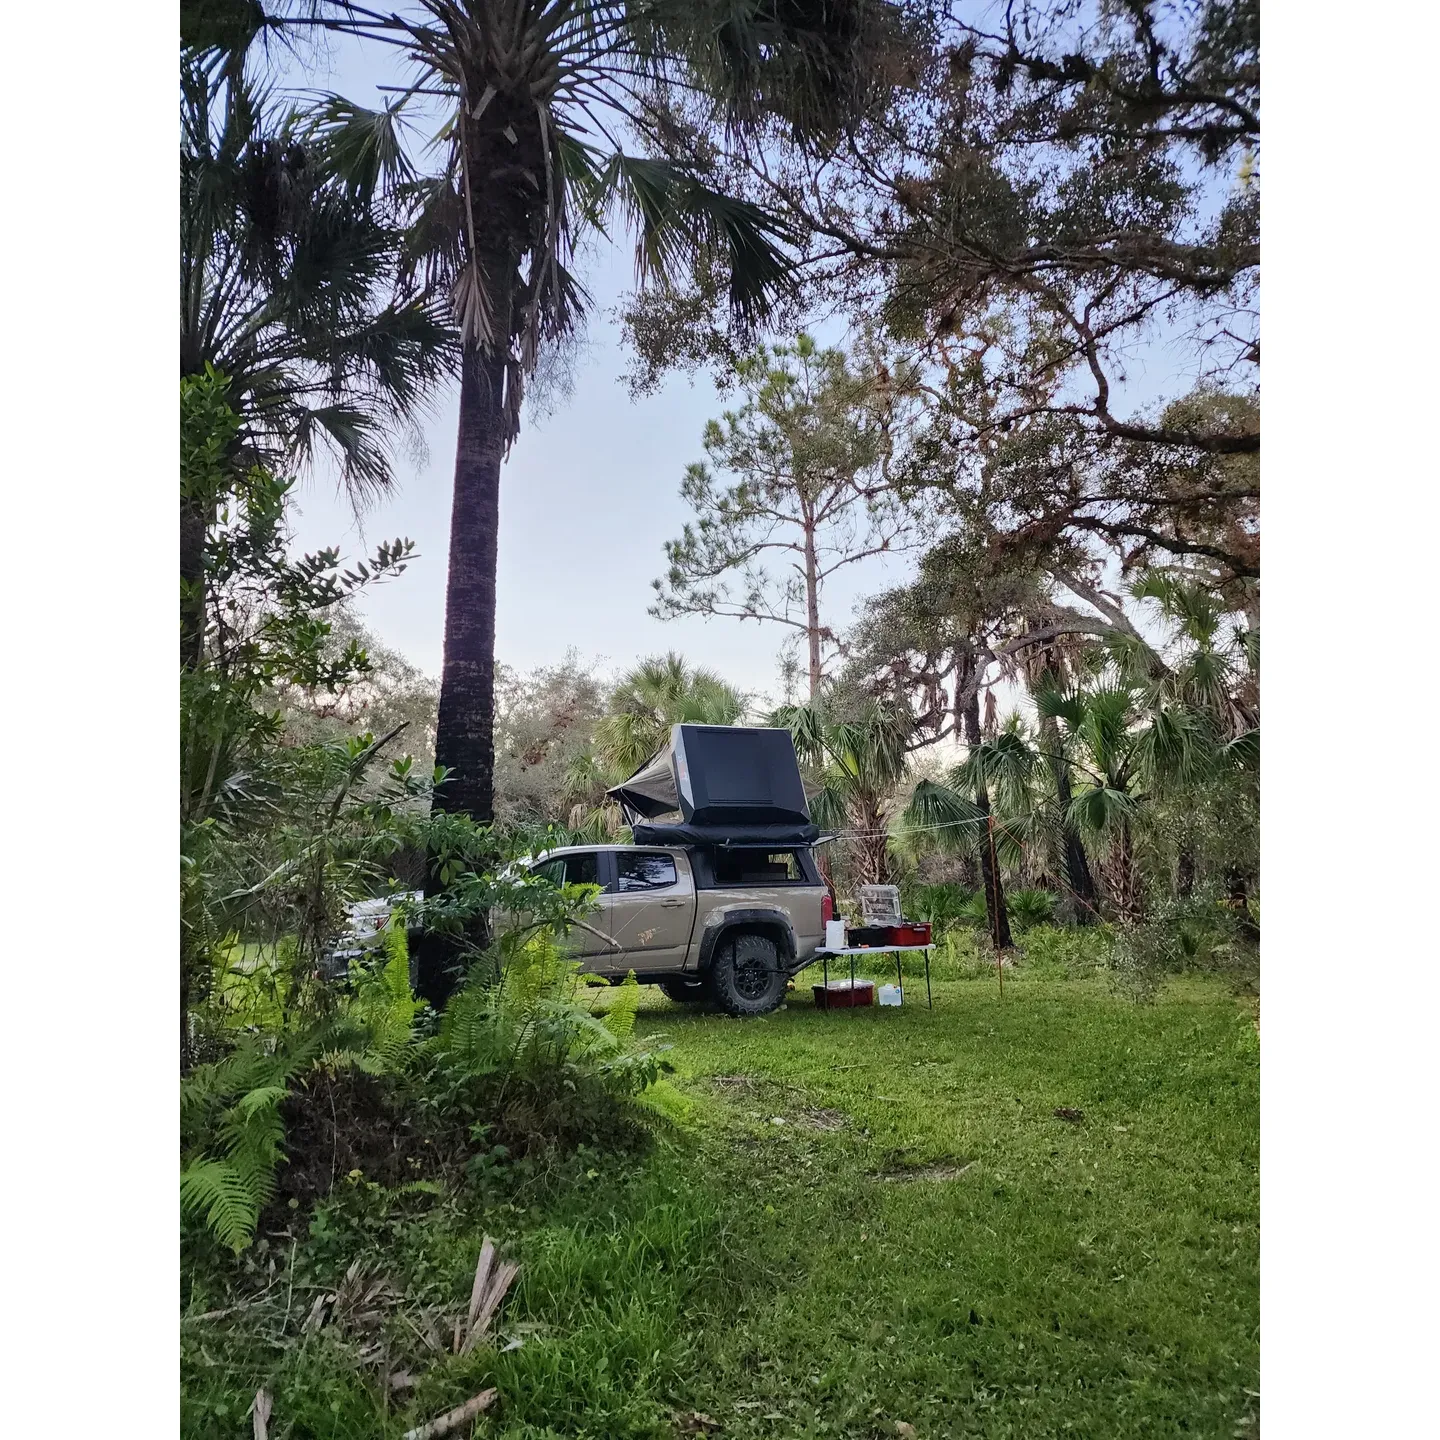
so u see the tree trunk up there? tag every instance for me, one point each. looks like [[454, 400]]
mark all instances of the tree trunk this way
[[1237, 897], [185, 1056], [1185, 870], [465, 725], [812, 607], [192, 582], [1122, 862], [874, 844], [1082, 900], [997, 919]]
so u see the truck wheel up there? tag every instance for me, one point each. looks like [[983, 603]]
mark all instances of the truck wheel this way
[[685, 991], [745, 976]]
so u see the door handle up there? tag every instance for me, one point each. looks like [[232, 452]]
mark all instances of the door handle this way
[[670, 904]]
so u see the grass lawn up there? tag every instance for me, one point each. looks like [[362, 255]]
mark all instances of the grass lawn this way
[[867, 1217]]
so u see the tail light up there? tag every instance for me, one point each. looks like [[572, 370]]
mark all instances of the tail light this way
[[827, 908]]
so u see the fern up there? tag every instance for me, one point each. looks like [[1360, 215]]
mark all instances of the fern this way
[[620, 1020], [533, 1024], [385, 1005], [217, 1192], [232, 1135], [665, 1101]]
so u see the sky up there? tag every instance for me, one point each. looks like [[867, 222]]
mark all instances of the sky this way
[[588, 496]]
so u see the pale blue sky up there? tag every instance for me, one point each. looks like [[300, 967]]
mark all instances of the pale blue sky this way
[[588, 497]]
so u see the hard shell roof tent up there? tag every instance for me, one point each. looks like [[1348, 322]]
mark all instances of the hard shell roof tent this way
[[725, 784]]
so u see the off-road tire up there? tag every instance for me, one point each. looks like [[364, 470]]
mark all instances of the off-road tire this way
[[746, 977], [685, 991]]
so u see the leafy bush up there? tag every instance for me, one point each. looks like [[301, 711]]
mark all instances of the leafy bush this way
[[274, 837], [944, 906], [961, 955], [1181, 935]]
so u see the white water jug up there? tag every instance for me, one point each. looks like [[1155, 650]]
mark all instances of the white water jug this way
[[835, 934], [889, 994]]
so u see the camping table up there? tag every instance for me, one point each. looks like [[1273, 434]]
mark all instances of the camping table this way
[[896, 950]]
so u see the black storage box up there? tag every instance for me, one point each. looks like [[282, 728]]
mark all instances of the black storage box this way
[[870, 935]]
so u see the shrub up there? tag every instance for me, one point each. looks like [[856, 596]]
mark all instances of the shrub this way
[[1181, 935], [1028, 908], [944, 906], [961, 955], [531, 1061]]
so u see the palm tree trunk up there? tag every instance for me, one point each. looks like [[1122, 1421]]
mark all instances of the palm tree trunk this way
[[1082, 900], [1127, 895], [465, 726], [996, 917], [874, 843]]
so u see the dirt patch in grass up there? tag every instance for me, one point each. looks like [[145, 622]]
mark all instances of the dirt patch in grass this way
[[941, 1170], [819, 1118]]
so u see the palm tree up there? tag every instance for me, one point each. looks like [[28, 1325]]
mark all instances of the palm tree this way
[[659, 692], [1215, 674], [1125, 754], [291, 286], [1043, 669], [861, 762], [536, 92], [1208, 671], [957, 812]]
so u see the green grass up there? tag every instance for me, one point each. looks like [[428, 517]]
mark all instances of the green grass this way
[[919, 1239]]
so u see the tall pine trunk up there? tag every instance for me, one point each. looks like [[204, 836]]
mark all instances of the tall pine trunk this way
[[998, 920], [812, 606]]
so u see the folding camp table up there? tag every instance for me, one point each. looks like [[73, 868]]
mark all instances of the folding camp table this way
[[897, 951]]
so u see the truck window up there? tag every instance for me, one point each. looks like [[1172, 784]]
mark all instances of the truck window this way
[[582, 869], [755, 867], [642, 870]]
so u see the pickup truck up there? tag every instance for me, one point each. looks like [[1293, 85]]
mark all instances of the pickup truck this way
[[703, 923]]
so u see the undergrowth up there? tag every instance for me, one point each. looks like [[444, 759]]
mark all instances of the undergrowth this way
[[870, 1217], [520, 1066]]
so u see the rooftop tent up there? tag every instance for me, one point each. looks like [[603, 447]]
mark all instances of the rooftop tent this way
[[735, 782]]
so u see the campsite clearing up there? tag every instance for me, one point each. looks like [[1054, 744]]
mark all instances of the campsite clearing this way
[[864, 1220]]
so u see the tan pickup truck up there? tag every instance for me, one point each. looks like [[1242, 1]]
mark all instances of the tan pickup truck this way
[[702, 922]]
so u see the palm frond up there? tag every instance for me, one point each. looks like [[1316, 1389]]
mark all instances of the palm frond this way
[[364, 148], [949, 818], [673, 212]]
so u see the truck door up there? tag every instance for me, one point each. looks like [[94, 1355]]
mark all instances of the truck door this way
[[651, 909], [586, 941]]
